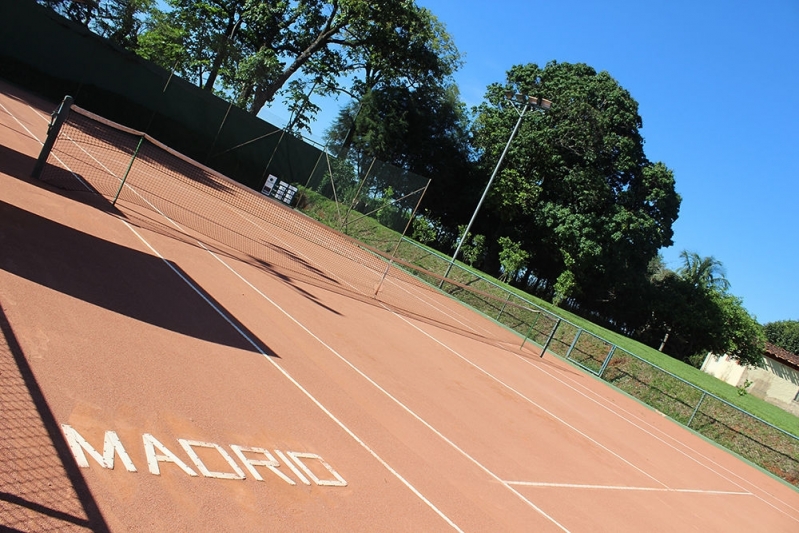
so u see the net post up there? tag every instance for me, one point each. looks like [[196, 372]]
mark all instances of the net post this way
[[58, 118], [127, 171], [394, 253]]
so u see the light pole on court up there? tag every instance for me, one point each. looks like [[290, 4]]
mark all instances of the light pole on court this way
[[528, 102]]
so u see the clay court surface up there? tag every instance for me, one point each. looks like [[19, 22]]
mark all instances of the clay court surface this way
[[273, 392]]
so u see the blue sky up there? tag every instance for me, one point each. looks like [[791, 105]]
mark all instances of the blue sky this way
[[718, 90]]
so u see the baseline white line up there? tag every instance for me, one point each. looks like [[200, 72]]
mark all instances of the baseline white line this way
[[629, 419], [623, 488], [529, 400]]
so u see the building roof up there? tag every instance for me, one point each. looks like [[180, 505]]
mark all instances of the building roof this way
[[783, 356]]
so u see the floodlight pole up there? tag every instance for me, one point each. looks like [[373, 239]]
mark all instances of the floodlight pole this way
[[536, 103]]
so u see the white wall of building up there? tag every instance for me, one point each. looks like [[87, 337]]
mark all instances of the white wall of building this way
[[776, 383]]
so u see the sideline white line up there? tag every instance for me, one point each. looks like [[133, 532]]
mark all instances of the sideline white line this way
[[42, 142], [666, 489], [271, 359], [630, 417], [392, 397], [529, 400], [616, 487], [292, 380]]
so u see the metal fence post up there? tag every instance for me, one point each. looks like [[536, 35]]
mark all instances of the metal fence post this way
[[574, 343], [504, 305], [696, 409], [549, 339], [530, 329], [607, 360], [58, 118], [127, 171]]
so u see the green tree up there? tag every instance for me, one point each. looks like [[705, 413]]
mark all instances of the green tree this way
[[783, 333], [512, 258], [693, 305], [742, 337], [84, 13], [364, 42], [703, 272], [576, 187], [473, 247], [423, 130], [122, 21]]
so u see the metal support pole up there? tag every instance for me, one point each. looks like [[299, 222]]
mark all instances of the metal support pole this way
[[59, 116], [504, 305], [573, 344], [394, 253], [696, 409], [485, 193], [530, 330], [606, 362], [549, 339], [127, 171]]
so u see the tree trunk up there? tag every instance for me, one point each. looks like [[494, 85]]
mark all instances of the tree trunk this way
[[221, 54]]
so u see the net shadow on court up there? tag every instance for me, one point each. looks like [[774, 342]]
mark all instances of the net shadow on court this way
[[114, 277]]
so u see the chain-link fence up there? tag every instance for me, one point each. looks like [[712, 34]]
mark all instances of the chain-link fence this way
[[754, 439]]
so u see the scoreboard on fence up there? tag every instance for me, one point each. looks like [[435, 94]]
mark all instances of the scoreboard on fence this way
[[278, 190]]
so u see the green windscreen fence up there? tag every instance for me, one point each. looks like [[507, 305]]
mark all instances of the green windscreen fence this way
[[45, 53]]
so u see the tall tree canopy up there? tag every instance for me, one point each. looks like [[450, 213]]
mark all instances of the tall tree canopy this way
[[423, 130], [576, 188], [254, 50], [783, 333], [693, 306]]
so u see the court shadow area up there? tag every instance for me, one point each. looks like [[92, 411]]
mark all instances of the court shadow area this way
[[41, 487], [116, 278]]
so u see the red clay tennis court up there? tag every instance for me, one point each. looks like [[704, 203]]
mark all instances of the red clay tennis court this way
[[249, 380]]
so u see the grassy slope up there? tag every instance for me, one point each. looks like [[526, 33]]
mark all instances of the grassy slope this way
[[369, 231]]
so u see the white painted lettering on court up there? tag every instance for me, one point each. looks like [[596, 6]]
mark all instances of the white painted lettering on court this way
[[111, 445], [188, 446], [292, 467], [156, 452], [166, 456], [250, 464], [298, 456]]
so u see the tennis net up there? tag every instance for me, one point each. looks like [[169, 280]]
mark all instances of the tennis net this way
[[166, 191]]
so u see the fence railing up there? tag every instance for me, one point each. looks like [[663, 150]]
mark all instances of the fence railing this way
[[754, 439]]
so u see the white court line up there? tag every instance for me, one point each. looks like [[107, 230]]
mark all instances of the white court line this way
[[332, 350], [495, 378], [389, 395], [271, 359], [630, 420], [625, 488]]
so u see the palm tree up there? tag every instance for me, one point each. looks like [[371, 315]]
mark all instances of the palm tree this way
[[703, 272]]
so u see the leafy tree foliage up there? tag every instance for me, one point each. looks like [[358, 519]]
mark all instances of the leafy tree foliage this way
[[251, 50], [366, 43], [576, 190], [121, 21], [693, 307], [423, 130], [473, 247], [783, 333], [512, 258], [703, 272]]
